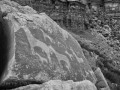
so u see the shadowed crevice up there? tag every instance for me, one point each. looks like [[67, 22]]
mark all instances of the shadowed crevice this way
[[4, 47], [12, 84]]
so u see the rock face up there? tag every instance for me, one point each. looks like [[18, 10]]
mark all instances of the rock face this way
[[100, 54], [61, 85], [101, 81], [95, 45], [39, 49], [99, 45]]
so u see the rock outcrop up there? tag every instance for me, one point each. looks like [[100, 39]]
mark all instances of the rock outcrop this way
[[101, 81], [38, 49], [61, 85], [95, 45], [101, 53]]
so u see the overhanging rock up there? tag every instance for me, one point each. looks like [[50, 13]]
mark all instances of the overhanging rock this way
[[38, 49]]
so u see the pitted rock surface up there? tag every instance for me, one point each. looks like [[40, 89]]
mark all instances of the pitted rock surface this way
[[41, 49], [61, 85]]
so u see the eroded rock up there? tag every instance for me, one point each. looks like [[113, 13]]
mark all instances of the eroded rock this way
[[39, 49]]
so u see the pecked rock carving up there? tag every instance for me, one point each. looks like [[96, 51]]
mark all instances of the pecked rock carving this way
[[37, 48]]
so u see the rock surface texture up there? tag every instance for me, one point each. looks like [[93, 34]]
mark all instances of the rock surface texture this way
[[39, 49], [61, 85]]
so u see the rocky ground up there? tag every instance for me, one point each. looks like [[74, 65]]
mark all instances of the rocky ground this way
[[100, 44]]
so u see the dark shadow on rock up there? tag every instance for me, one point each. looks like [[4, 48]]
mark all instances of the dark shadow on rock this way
[[4, 45], [12, 84]]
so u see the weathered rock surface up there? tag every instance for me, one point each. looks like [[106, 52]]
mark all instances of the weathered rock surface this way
[[39, 49], [95, 45], [100, 54], [101, 83], [99, 45], [61, 85]]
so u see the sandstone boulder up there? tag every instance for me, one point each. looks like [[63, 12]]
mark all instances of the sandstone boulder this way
[[101, 81], [39, 49]]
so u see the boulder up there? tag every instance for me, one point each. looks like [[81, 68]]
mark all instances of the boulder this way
[[61, 85], [38, 49], [101, 81]]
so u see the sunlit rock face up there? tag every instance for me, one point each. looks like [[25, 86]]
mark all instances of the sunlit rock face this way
[[61, 85], [40, 49]]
